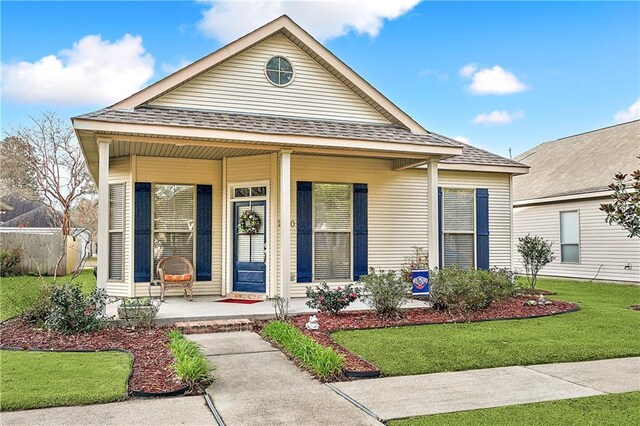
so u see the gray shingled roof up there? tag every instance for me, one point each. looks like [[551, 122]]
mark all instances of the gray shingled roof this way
[[579, 164], [293, 126]]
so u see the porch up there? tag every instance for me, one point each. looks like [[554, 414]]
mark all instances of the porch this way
[[177, 309]]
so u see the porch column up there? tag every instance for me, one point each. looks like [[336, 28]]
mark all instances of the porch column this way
[[103, 212], [434, 252], [285, 223]]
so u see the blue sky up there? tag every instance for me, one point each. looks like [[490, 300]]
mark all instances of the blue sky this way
[[534, 71]]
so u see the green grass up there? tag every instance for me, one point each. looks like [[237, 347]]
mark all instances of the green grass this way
[[323, 361], [47, 379], [603, 328], [17, 293], [612, 409], [190, 365]]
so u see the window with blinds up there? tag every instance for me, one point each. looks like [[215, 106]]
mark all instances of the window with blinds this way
[[116, 231], [173, 222], [569, 237], [458, 227], [332, 231]]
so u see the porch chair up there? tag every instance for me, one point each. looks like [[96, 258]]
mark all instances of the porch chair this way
[[176, 271]]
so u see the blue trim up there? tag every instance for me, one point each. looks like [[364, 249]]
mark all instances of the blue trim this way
[[360, 230], [482, 228], [203, 232], [440, 239], [142, 233], [248, 276], [304, 232]]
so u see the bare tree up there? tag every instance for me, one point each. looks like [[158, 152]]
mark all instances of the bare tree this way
[[44, 162]]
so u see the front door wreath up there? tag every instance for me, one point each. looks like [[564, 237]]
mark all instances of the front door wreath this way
[[249, 223]]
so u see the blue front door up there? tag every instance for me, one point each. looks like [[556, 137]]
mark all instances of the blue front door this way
[[249, 251]]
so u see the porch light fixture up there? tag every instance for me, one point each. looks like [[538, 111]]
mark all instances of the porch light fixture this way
[[279, 71]]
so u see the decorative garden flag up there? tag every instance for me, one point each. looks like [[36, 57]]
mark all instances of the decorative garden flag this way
[[420, 282]]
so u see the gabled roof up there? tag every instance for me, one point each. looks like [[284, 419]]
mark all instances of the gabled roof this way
[[580, 164], [27, 213], [304, 41]]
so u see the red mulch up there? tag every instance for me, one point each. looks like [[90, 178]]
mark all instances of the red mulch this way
[[512, 308], [151, 356]]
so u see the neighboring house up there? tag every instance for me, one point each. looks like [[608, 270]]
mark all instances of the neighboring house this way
[[26, 214], [274, 123], [559, 200]]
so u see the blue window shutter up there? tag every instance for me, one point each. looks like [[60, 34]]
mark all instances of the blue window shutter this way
[[440, 238], [304, 226], [142, 233], [482, 228], [360, 231], [203, 233]]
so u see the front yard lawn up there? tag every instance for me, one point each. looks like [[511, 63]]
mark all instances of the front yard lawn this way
[[17, 293], [605, 327], [612, 409], [47, 379]]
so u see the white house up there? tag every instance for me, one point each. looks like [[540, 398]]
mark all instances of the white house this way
[[560, 199], [274, 123]]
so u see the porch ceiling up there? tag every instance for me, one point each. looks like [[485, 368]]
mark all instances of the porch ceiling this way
[[125, 148]]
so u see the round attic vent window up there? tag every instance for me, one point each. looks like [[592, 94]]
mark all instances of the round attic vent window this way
[[279, 71]]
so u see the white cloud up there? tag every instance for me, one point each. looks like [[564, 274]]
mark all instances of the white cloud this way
[[170, 68], [491, 81], [462, 139], [497, 117], [93, 71], [631, 113], [228, 20]]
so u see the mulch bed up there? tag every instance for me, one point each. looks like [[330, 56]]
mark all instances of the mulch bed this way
[[151, 356], [512, 308]]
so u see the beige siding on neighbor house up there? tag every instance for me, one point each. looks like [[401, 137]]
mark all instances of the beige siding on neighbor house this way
[[120, 172], [602, 246], [240, 85], [189, 171]]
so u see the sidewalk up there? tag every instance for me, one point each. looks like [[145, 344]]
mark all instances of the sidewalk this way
[[408, 396], [255, 384]]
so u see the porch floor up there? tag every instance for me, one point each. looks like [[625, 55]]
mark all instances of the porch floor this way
[[177, 309]]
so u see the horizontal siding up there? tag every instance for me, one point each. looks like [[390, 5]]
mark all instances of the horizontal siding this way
[[603, 247], [246, 169], [240, 85], [498, 185], [120, 172]]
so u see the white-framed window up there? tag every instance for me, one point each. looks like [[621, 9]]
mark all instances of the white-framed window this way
[[332, 231], [279, 71], [116, 231], [458, 227], [174, 221], [570, 237]]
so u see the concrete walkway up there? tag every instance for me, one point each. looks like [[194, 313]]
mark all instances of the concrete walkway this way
[[255, 384], [406, 396], [192, 410]]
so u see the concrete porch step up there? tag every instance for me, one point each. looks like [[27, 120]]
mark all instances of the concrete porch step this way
[[215, 326]]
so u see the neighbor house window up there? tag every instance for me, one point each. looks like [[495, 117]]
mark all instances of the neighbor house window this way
[[332, 231], [279, 71], [570, 237], [173, 222], [116, 231], [458, 227]]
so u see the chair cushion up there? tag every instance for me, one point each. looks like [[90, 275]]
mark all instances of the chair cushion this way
[[183, 277]]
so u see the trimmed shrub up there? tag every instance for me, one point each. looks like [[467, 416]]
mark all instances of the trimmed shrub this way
[[324, 362], [191, 366], [9, 261], [456, 289], [384, 291], [331, 301], [69, 310]]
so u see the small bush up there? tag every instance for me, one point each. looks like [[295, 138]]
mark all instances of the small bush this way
[[384, 291], [191, 366], [419, 260], [69, 311], [329, 300], [456, 289], [136, 311], [536, 253], [324, 362], [9, 261]]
